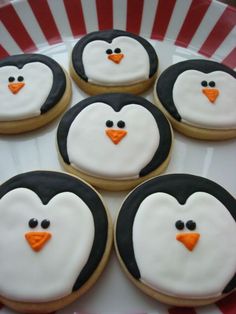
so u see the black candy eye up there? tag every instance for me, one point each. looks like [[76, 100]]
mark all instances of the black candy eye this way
[[121, 124], [11, 79], [212, 84], [109, 123], [109, 51], [45, 224], [204, 83], [179, 224], [33, 223], [191, 225], [117, 50], [20, 78]]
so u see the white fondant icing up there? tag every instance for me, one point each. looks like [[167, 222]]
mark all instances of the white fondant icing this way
[[26, 275], [165, 264], [196, 109], [90, 150], [38, 79], [133, 68]]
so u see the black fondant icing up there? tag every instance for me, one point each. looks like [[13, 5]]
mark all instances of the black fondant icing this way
[[33, 223], [204, 83], [109, 51], [181, 187], [108, 36], [117, 102], [179, 225], [166, 81], [11, 79], [47, 184], [121, 124], [191, 225], [20, 78], [109, 123], [45, 223], [59, 78]]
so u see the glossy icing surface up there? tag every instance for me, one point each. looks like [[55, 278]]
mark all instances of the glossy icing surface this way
[[116, 136], [199, 93], [171, 234], [122, 57], [92, 151], [27, 102], [70, 214], [134, 66], [30, 85], [194, 106], [202, 272], [70, 219]]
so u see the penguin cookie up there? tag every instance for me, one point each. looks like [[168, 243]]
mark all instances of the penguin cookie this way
[[176, 237], [198, 96], [113, 61], [34, 90], [55, 239], [114, 141]]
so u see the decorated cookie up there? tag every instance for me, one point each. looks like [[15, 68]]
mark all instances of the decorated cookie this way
[[113, 61], [176, 237], [114, 141], [55, 238], [198, 96], [34, 90]]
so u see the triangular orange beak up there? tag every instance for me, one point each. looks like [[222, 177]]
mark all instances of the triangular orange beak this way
[[15, 87], [189, 240], [211, 93], [37, 240], [116, 135], [116, 58]]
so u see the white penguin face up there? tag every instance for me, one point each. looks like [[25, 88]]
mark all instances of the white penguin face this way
[[206, 100], [109, 144], [24, 91], [55, 267], [124, 61], [163, 258]]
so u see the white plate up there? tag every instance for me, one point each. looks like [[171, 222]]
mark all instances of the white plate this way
[[114, 293]]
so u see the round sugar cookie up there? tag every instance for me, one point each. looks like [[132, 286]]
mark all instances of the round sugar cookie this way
[[113, 61], [175, 237], [198, 97], [114, 141], [34, 90], [55, 239]]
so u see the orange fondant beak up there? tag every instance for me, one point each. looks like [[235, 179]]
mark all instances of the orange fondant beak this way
[[116, 135], [211, 93], [37, 240], [189, 240], [15, 87], [116, 58]]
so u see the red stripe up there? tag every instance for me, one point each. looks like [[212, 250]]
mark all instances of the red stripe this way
[[105, 14], [134, 15], [75, 16], [228, 304], [230, 60], [182, 310], [3, 52], [16, 28], [192, 21], [222, 28], [46, 21], [162, 18]]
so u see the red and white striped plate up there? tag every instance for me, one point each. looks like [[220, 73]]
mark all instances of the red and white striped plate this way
[[205, 26], [178, 29]]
